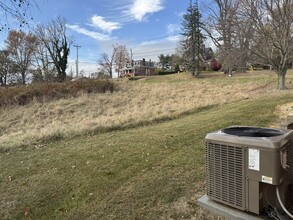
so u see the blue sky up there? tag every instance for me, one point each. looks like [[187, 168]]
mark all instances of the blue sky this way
[[148, 27]]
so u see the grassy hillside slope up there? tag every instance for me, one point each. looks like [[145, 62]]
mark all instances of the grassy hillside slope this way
[[134, 103], [150, 169]]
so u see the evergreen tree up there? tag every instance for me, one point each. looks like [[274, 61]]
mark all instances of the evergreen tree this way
[[193, 38]]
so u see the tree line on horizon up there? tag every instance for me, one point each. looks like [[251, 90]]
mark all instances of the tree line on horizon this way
[[42, 52], [243, 31]]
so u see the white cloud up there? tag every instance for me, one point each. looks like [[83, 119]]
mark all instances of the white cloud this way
[[85, 68], [180, 14], [151, 42], [140, 8], [151, 49], [108, 26], [95, 35], [172, 28], [174, 38]]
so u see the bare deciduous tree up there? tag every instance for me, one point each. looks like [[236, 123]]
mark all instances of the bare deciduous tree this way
[[45, 67], [178, 57], [21, 47], [253, 30], [106, 62], [18, 10], [121, 57], [222, 30], [54, 37], [271, 36]]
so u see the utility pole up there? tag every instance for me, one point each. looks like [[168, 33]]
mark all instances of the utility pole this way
[[76, 62], [131, 57], [131, 54]]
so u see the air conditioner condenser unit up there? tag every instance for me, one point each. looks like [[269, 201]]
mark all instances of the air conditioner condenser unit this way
[[246, 167]]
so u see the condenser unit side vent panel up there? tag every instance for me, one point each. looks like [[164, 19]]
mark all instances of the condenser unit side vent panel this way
[[225, 180], [289, 170]]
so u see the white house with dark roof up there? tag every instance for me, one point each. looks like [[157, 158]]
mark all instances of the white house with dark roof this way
[[138, 68]]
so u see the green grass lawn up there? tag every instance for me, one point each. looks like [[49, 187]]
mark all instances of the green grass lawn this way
[[149, 172]]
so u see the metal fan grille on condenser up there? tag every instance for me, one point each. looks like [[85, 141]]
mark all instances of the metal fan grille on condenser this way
[[225, 180], [252, 132]]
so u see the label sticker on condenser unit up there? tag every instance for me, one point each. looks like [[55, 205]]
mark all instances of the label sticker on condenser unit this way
[[267, 179], [253, 159]]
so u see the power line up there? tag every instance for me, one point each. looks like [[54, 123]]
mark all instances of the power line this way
[[155, 51], [89, 62]]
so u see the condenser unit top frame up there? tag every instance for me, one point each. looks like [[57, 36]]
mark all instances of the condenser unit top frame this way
[[274, 143]]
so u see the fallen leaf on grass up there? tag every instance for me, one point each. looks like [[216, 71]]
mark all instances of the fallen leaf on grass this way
[[62, 209], [25, 211]]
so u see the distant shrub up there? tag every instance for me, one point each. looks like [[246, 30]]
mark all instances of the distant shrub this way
[[216, 65], [43, 92]]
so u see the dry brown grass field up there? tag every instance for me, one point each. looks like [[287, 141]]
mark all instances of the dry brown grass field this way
[[135, 102]]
